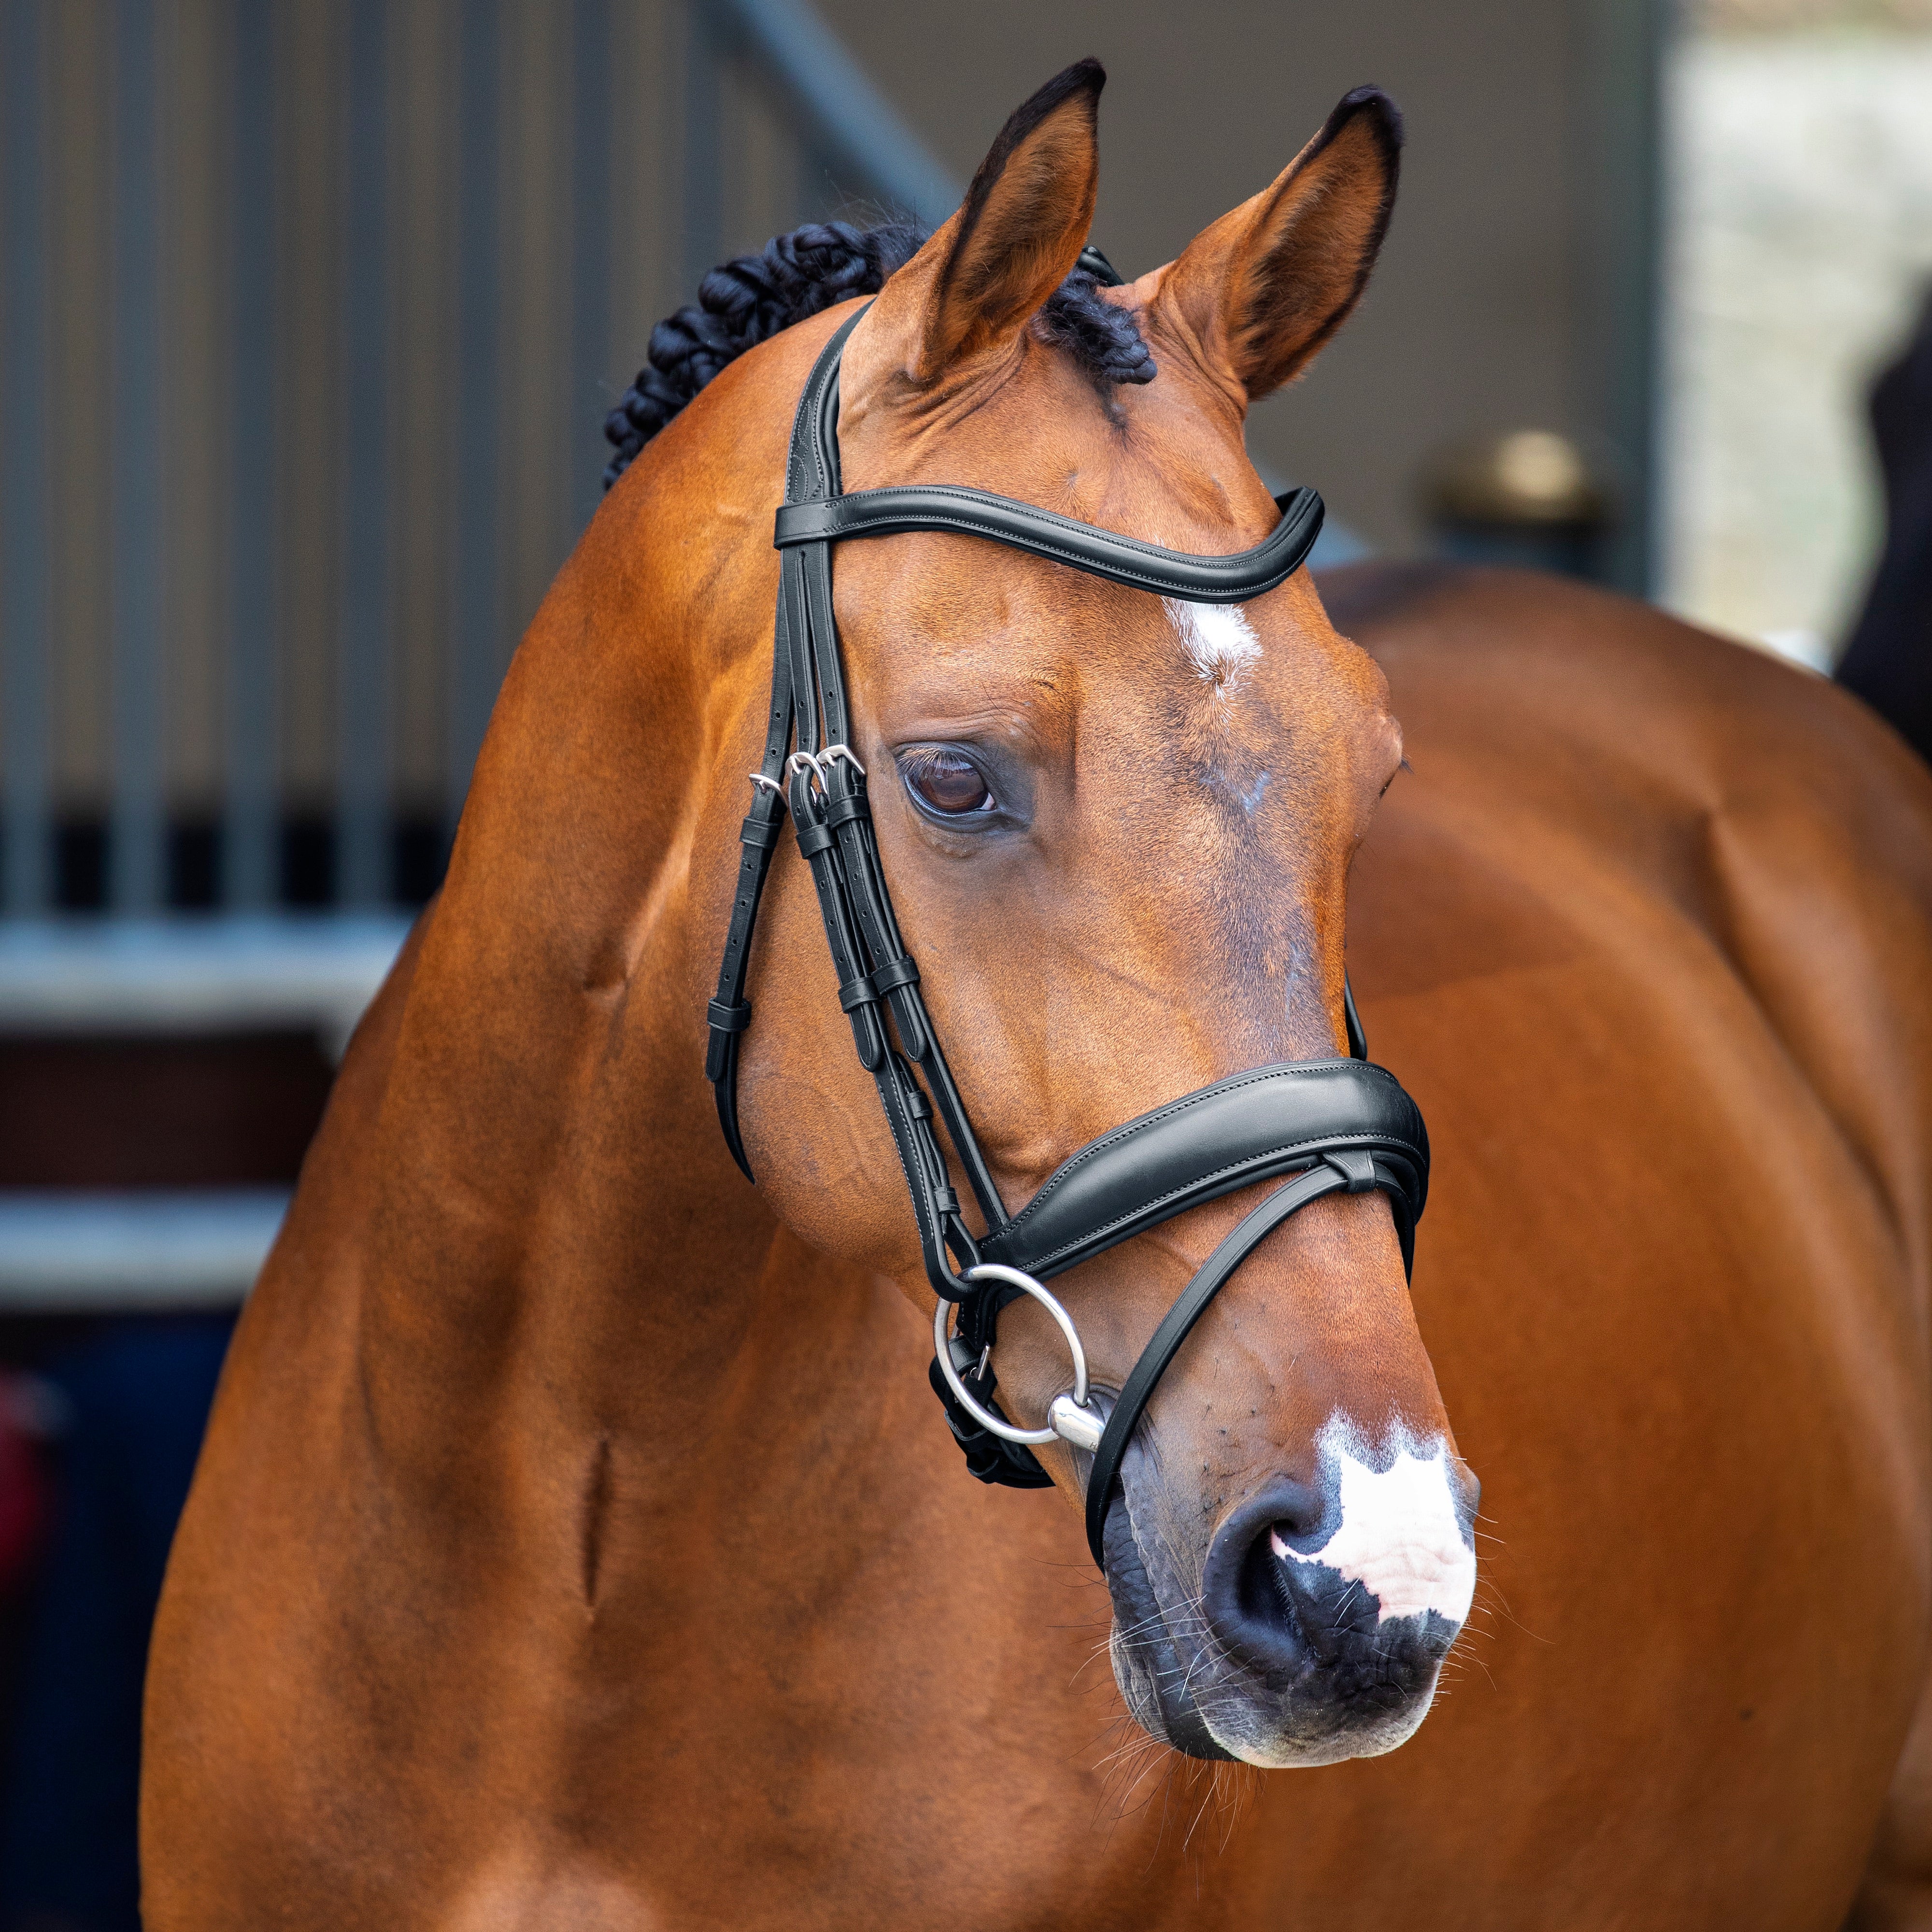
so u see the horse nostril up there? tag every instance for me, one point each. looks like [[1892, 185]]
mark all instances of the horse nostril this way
[[1262, 1612], [1298, 1511], [1261, 1604]]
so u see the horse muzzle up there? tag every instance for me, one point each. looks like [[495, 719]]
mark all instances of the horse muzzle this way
[[1313, 1625]]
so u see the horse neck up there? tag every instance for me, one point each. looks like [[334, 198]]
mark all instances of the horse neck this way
[[561, 1216]]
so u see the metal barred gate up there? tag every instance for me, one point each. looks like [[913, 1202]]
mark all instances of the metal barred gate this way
[[311, 313]]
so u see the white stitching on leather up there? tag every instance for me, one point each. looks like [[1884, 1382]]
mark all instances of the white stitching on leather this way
[[1233, 1084], [1220, 575], [1256, 1160]]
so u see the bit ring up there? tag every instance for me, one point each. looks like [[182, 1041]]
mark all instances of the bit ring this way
[[1068, 1416]]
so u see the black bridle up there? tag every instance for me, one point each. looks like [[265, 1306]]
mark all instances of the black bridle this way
[[1331, 1124]]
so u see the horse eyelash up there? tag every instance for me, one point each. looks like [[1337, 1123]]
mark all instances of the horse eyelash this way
[[922, 758]]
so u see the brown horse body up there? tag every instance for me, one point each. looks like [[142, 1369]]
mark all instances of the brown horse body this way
[[577, 1542]]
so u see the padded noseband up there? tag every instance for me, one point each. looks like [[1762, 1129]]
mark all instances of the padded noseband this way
[[1252, 1126], [1328, 1126]]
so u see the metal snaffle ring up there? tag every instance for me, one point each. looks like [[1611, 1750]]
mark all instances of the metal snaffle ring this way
[[1068, 1416]]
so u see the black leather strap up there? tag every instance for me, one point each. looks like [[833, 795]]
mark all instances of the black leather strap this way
[[1127, 560], [990, 1458], [1097, 266], [1358, 1041], [731, 1013], [816, 665], [1247, 1128], [1178, 1324]]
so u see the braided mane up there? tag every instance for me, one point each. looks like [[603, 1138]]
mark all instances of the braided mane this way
[[797, 275]]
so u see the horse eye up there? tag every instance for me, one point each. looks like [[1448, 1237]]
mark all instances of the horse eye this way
[[947, 784]]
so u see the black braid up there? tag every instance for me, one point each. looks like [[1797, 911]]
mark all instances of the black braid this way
[[797, 275], [1105, 339]]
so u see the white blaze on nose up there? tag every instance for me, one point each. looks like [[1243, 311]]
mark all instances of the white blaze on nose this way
[[1219, 641], [1400, 1536]]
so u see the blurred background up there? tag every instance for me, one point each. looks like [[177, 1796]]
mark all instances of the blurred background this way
[[310, 312]]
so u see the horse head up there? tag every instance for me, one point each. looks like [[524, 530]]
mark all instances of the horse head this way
[[1117, 828]]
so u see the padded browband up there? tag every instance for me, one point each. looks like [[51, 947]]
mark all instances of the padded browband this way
[[1249, 1127], [1120, 560]]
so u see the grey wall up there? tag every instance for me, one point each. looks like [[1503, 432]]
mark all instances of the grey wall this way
[[1486, 313]]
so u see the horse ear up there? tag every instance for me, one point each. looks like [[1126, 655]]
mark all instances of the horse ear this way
[[1011, 243], [1255, 296]]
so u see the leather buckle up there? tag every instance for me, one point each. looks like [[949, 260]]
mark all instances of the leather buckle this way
[[862, 991]]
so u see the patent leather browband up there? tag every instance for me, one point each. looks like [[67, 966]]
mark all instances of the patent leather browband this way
[[1126, 560], [1328, 1126]]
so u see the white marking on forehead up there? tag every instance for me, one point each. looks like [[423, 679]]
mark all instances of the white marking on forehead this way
[[1400, 1535], [1219, 641]]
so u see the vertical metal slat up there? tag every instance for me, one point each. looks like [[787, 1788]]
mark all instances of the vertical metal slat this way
[[363, 755], [704, 184], [592, 395], [250, 834], [1621, 44], [135, 849], [28, 879], [477, 597]]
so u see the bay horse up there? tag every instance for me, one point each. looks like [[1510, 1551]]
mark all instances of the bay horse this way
[[576, 1543]]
